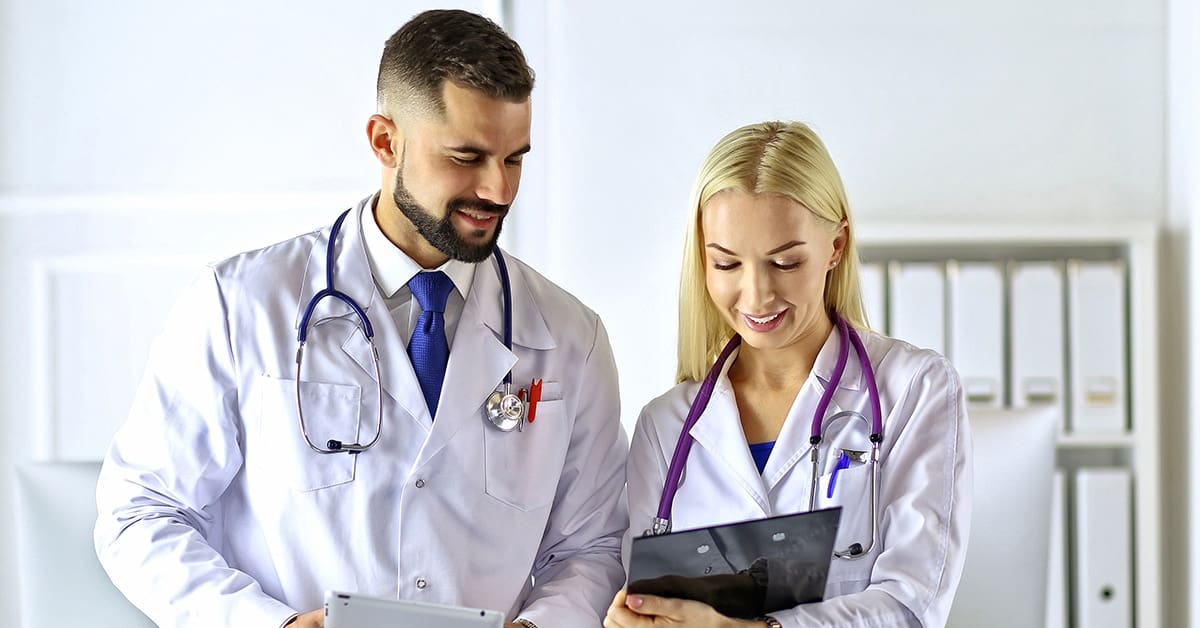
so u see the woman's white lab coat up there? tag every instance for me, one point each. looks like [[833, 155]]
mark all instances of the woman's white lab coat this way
[[925, 481], [215, 512]]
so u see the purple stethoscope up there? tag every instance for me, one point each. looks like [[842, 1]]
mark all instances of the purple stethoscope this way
[[662, 522]]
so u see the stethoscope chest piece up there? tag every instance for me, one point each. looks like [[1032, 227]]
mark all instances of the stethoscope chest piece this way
[[505, 410]]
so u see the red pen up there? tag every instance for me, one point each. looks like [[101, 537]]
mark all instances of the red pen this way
[[535, 395]]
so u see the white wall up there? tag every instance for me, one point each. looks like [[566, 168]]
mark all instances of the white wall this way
[[1023, 110], [122, 124], [137, 139]]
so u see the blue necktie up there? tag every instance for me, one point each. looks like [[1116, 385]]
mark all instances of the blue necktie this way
[[428, 349]]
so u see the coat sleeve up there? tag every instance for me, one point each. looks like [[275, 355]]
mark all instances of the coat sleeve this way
[[167, 467], [925, 512], [578, 567], [646, 475]]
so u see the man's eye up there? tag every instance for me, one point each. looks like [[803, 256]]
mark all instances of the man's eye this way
[[463, 161]]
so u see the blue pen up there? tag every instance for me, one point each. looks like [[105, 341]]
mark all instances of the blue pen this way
[[843, 462]]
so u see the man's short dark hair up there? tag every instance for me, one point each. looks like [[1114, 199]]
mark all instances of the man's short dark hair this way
[[435, 46]]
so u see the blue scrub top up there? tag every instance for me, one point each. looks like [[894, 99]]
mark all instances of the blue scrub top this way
[[761, 452]]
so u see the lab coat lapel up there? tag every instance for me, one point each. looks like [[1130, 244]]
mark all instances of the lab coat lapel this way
[[478, 361], [352, 276], [793, 445], [399, 379], [719, 431]]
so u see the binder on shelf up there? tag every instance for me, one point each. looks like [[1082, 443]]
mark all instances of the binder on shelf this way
[[872, 279], [1036, 335], [1096, 337], [1056, 567], [1103, 591], [976, 330], [917, 307]]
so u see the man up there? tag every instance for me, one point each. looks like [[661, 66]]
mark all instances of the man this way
[[217, 505]]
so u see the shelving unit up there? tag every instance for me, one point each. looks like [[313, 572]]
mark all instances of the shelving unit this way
[[1137, 448]]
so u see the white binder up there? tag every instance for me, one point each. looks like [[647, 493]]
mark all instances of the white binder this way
[[976, 324], [1096, 310], [1036, 334], [872, 279], [1056, 572], [1103, 539], [917, 306]]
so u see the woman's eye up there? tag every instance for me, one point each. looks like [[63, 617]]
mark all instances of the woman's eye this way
[[725, 265], [786, 265]]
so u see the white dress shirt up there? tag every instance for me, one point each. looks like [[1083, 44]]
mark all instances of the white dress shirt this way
[[392, 269]]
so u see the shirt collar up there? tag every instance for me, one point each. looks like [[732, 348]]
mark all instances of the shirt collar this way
[[393, 268]]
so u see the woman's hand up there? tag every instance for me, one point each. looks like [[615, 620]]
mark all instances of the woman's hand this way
[[311, 619], [646, 611]]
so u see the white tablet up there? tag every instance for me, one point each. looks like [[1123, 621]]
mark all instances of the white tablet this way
[[350, 610]]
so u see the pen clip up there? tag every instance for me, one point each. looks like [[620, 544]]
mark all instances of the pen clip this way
[[522, 394], [843, 462]]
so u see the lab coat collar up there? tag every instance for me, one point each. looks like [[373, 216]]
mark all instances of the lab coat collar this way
[[478, 358], [827, 360], [529, 327], [719, 431], [352, 276], [352, 270]]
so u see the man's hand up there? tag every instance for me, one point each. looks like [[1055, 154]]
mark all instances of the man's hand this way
[[311, 619]]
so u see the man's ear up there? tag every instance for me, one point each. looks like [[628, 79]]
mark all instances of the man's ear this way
[[384, 136]]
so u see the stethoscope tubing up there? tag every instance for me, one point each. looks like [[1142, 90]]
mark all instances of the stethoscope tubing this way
[[849, 339], [336, 446]]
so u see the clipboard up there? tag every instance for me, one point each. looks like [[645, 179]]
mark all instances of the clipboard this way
[[744, 569]]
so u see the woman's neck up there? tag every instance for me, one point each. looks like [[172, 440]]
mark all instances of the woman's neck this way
[[783, 369]]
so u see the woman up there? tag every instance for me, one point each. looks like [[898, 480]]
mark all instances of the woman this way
[[770, 259]]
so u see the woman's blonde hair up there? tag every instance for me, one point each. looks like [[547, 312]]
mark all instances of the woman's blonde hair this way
[[785, 158]]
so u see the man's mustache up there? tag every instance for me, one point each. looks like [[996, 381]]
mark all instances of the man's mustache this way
[[460, 204]]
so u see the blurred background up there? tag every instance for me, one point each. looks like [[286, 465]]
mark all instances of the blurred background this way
[[139, 139]]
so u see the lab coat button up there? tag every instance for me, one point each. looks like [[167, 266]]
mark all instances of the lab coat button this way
[[420, 484], [421, 584]]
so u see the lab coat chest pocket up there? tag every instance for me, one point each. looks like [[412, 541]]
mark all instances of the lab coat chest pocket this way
[[331, 411], [851, 491], [522, 468]]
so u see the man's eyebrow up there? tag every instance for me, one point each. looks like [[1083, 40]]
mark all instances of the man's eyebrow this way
[[475, 150]]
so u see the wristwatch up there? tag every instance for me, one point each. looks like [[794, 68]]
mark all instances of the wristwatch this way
[[527, 623], [771, 621]]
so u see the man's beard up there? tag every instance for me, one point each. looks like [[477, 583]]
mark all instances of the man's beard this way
[[440, 232]]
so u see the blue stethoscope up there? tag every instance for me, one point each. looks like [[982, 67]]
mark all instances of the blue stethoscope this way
[[849, 337], [503, 409]]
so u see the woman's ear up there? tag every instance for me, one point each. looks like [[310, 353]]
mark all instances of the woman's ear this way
[[384, 135], [840, 236]]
